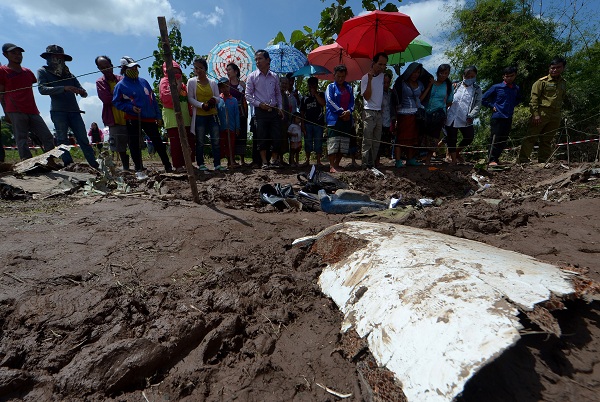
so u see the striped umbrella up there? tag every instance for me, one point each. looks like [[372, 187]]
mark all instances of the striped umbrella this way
[[231, 51]]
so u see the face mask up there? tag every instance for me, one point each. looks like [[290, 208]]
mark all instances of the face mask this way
[[57, 66], [132, 73], [469, 81]]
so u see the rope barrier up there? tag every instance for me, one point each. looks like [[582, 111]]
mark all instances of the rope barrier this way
[[325, 127], [67, 78], [11, 147]]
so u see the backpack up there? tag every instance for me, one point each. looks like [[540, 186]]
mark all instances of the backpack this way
[[317, 180]]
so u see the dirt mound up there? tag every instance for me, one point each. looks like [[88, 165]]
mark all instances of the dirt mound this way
[[151, 296]]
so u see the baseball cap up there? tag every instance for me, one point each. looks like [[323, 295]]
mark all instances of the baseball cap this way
[[127, 61], [7, 47], [223, 80]]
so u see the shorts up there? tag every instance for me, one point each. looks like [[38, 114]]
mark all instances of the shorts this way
[[118, 138], [338, 145], [295, 146]]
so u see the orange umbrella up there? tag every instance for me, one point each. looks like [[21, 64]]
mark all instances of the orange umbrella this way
[[377, 31], [332, 55]]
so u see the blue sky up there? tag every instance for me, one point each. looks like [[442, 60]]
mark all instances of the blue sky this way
[[86, 29]]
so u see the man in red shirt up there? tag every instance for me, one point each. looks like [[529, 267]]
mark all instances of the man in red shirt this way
[[16, 97]]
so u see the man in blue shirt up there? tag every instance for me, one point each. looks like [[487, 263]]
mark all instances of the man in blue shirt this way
[[502, 99]]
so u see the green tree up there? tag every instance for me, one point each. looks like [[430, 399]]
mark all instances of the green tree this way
[[583, 80], [371, 5], [332, 18], [337, 13], [6, 132], [184, 55], [303, 41], [493, 34]]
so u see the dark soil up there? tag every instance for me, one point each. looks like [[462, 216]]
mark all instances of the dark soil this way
[[153, 297]]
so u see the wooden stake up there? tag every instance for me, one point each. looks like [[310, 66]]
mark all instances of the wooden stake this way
[[185, 146], [568, 141]]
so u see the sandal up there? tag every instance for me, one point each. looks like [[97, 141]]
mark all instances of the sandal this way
[[413, 162], [400, 164]]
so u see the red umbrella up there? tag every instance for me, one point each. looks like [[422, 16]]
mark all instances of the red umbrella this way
[[377, 31], [332, 55]]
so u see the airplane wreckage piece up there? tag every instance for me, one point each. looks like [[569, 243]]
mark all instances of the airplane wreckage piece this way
[[40, 177], [45, 159], [434, 308]]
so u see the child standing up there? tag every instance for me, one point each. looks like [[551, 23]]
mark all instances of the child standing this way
[[295, 136], [229, 121]]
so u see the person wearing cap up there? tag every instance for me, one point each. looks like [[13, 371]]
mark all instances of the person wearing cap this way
[[169, 119], [56, 80], [112, 117], [133, 95], [18, 102]]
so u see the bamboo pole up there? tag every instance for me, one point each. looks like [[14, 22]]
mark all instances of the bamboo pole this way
[[185, 146]]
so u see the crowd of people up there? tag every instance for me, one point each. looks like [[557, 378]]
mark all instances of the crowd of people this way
[[407, 121]]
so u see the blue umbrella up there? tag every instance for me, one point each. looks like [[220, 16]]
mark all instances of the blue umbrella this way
[[311, 69], [285, 58]]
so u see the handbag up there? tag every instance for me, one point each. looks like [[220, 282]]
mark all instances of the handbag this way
[[437, 116], [320, 181], [421, 114]]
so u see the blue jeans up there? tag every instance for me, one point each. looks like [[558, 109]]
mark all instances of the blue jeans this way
[[62, 122], [207, 125], [313, 140]]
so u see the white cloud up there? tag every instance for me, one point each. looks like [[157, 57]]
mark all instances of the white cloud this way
[[431, 17], [135, 17], [93, 109], [47, 120], [213, 18], [90, 87], [433, 20]]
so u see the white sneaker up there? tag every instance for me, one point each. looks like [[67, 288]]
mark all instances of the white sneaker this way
[[141, 175]]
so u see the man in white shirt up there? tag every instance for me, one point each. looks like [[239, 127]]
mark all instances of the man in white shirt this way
[[464, 109], [371, 88]]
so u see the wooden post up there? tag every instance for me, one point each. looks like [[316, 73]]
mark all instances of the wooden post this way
[[185, 146], [598, 150], [568, 141]]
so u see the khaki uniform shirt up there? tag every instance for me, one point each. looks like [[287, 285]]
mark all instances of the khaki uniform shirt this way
[[549, 94]]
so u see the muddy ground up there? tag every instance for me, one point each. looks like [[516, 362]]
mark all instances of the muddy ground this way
[[155, 298]]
